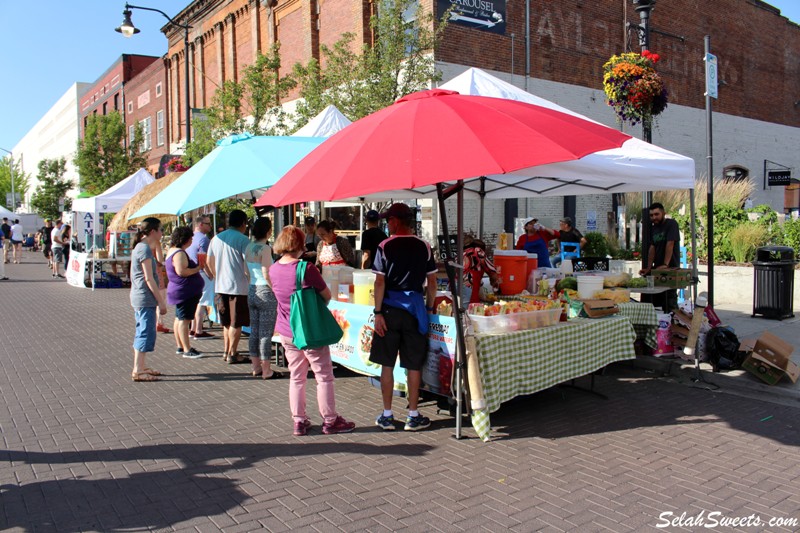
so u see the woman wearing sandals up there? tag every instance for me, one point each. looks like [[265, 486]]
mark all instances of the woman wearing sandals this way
[[261, 300], [145, 297], [291, 245], [184, 289]]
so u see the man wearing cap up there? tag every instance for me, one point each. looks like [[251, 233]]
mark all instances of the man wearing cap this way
[[568, 233], [371, 238], [402, 264], [535, 239]]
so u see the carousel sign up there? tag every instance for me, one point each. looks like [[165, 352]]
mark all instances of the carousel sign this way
[[484, 15]]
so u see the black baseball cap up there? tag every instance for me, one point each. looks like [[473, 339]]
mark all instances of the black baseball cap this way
[[398, 210]]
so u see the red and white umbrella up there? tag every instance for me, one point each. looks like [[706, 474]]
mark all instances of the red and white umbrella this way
[[438, 136]]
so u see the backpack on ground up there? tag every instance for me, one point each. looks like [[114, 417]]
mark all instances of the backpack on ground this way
[[722, 348]]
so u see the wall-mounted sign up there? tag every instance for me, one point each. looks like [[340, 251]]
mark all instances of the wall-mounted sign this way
[[776, 178], [486, 15]]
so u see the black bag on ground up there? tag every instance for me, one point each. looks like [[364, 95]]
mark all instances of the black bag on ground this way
[[722, 348]]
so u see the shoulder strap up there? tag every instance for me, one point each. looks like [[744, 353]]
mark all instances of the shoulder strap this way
[[300, 274]]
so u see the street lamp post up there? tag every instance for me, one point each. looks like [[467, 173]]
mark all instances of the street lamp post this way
[[11, 173], [643, 7], [128, 30]]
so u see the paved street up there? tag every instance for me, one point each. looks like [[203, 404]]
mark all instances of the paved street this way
[[210, 448]]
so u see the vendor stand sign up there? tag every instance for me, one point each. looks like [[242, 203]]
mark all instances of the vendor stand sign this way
[[76, 269], [352, 351]]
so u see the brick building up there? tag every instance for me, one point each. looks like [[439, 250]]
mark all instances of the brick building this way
[[757, 115], [107, 94], [147, 103]]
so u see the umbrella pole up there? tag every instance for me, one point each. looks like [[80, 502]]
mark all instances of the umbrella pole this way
[[450, 267], [482, 195]]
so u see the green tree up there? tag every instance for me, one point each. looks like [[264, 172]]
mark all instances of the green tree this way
[[102, 157], [263, 90], [360, 82], [252, 106], [21, 180], [52, 188]]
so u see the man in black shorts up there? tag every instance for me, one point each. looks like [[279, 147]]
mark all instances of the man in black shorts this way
[[403, 262], [47, 240]]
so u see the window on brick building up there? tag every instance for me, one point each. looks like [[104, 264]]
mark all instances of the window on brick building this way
[[160, 128], [105, 108], [130, 107], [409, 16], [147, 134], [735, 173], [158, 90], [131, 135], [116, 102]]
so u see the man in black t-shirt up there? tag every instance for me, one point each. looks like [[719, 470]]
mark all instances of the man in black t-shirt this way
[[403, 264], [47, 238], [371, 238], [567, 233], [6, 229], [664, 252]]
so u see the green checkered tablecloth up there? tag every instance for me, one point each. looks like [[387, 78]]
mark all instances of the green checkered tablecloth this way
[[524, 362], [644, 319]]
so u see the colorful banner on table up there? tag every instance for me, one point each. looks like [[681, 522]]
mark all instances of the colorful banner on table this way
[[76, 269], [352, 351]]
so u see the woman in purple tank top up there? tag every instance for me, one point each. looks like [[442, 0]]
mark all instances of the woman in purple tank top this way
[[184, 289]]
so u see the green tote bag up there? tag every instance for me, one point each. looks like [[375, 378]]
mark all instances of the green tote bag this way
[[311, 321]]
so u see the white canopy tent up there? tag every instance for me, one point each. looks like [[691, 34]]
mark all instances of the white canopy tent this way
[[113, 199], [329, 121], [5, 213], [635, 166], [109, 201]]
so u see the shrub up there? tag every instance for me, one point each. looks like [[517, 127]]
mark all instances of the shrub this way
[[596, 245], [744, 239], [791, 234]]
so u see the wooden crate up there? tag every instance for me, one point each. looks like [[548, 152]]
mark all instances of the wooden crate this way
[[674, 278]]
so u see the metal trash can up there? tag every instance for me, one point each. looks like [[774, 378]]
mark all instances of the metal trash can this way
[[773, 285]]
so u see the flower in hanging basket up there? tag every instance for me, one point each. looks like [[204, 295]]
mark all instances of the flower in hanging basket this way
[[176, 165], [633, 87]]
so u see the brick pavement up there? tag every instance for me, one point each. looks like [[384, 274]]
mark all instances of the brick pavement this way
[[209, 448]]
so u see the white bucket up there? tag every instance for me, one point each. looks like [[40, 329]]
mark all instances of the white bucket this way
[[588, 286]]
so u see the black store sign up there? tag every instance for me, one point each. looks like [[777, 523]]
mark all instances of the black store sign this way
[[486, 15], [776, 178]]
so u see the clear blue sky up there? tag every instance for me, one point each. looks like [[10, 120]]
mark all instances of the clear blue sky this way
[[48, 45]]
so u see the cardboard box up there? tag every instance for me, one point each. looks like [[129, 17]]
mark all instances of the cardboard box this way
[[769, 358], [674, 278], [599, 308]]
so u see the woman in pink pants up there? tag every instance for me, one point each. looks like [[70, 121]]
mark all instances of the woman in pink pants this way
[[290, 244]]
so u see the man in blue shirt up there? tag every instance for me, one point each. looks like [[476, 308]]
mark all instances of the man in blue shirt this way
[[403, 264], [228, 269], [197, 252]]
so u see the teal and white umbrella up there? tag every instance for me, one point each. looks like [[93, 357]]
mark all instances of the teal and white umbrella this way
[[238, 165]]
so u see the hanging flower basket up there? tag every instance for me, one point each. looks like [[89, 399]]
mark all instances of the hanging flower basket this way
[[176, 165], [633, 87]]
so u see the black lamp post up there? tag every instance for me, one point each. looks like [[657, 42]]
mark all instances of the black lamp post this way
[[128, 30], [643, 7]]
